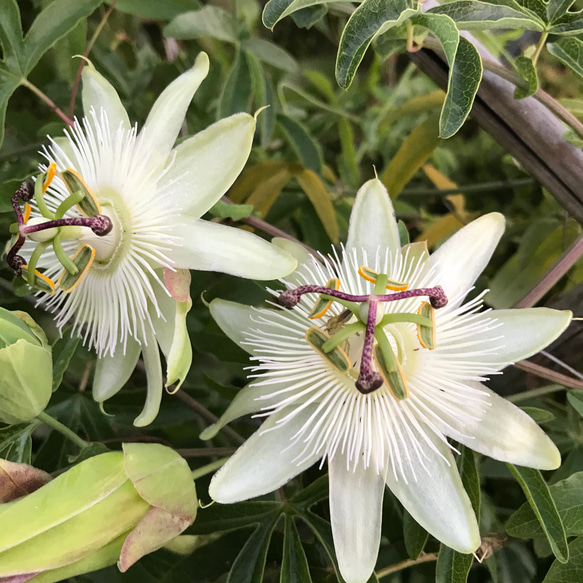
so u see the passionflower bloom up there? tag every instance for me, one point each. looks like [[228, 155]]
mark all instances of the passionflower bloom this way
[[109, 228], [372, 363]]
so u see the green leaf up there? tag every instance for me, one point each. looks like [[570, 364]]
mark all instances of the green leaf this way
[[542, 503], [294, 566], [470, 477], [526, 69], [570, 52], [224, 210], [53, 23], [16, 442], [477, 15], [316, 491], [264, 96], [569, 24], [11, 37], [568, 497], [323, 532], [556, 8], [411, 155], [465, 71], [414, 535], [155, 9], [275, 10], [575, 399], [233, 516], [452, 567], [271, 54], [371, 18], [539, 415], [573, 570], [307, 17], [236, 94], [303, 144], [63, 351], [209, 21], [250, 562]]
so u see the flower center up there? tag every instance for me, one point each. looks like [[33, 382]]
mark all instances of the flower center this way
[[365, 314], [51, 229]]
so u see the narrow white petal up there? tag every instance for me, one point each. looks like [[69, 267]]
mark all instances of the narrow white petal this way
[[169, 110], [461, 259], [210, 246], [372, 222], [206, 165], [436, 499], [151, 355], [506, 433], [98, 93], [113, 372], [234, 320], [264, 462], [523, 332], [356, 502]]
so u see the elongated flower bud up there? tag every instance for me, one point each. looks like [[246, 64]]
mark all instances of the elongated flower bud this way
[[114, 507], [26, 368]]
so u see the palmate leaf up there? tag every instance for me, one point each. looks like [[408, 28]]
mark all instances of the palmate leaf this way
[[465, 71], [478, 15], [371, 18], [570, 52], [569, 24], [21, 55], [275, 10], [294, 566], [573, 570], [556, 8]]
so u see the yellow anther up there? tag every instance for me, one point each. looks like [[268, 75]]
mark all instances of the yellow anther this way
[[83, 259], [426, 334], [51, 173], [41, 282], [74, 182], [27, 211], [323, 305], [337, 358], [372, 276]]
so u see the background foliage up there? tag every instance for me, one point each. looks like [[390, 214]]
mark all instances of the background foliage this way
[[339, 111]]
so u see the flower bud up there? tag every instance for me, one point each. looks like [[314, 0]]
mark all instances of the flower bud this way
[[114, 507], [26, 368]]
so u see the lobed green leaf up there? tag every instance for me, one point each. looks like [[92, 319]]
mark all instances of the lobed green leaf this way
[[569, 51]]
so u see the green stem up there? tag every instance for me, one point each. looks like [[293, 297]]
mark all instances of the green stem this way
[[40, 199], [342, 335], [52, 105], [62, 429], [200, 472], [539, 47], [540, 392]]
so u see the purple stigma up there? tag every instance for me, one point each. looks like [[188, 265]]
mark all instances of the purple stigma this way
[[101, 225], [368, 379]]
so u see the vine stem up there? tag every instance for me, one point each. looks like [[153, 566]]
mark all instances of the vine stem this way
[[539, 47], [52, 105], [549, 102], [62, 429], [423, 558], [200, 472], [550, 375], [85, 55]]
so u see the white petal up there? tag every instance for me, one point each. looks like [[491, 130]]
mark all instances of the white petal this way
[[206, 165], [210, 246], [169, 110], [522, 333], [98, 93], [461, 259], [234, 320], [113, 372], [264, 462], [301, 254], [372, 222], [356, 502], [151, 355], [508, 434], [248, 400], [437, 500]]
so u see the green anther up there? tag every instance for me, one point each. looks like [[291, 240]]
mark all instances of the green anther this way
[[83, 259], [373, 276], [13, 228], [63, 258], [39, 282], [380, 285], [389, 367], [316, 338], [75, 183], [40, 199], [322, 305], [342, 335], [404, 317], [68, 203], [426, 332], [35, 256]]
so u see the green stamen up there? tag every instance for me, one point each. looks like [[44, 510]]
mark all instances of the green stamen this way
[[40, 200], [68, 203], [39, 250], [63, 258], [342, 335]]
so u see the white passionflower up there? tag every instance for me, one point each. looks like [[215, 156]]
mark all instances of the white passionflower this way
[[114, 223], [376, 381]]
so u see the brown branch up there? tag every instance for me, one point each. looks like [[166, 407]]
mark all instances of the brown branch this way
[[52, 105], [423, 558], [550, 375], [206, 451]]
